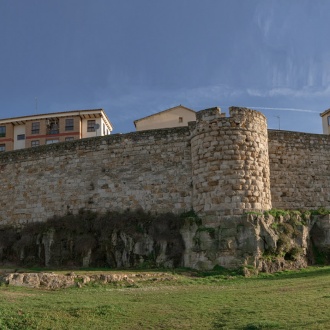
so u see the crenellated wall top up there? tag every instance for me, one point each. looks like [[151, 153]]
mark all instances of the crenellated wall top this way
[[239, 119], [241, 111]]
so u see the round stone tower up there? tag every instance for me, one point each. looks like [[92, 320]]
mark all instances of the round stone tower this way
[[230, 164]]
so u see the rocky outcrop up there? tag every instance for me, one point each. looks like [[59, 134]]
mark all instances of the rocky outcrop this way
[[116, 240], [264, 242], [36, 280], [320, 239], [58, 281]]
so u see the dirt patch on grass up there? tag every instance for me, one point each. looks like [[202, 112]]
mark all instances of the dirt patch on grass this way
[[11, 296]]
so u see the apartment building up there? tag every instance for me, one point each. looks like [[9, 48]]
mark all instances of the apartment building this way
[[173, 117], [36, 130]]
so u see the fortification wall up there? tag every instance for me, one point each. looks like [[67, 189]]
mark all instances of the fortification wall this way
[[149, 170], [220, 167], [230, 163], [299, 170]]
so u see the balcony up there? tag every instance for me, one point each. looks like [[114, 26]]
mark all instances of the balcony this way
[[53, 126]]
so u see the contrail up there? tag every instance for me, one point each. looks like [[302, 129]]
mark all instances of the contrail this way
[[284, 109]]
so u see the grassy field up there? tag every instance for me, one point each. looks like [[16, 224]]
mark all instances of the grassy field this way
[[290, 300]]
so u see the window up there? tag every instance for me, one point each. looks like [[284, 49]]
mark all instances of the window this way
[[69, 124], [2, 147], [35, 143], [69, 138], [329, 120], [180, 119], [35, 127], [104, 129], [2, 131], [52, 141], [21, 137], [90, 125]]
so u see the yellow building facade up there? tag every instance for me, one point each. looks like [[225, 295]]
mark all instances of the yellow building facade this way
[[326, 121], [173, 117]]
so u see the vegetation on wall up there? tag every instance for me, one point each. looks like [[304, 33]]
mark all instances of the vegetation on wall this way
[[305, 214], [140, 239], [104, 239], [289, 226]]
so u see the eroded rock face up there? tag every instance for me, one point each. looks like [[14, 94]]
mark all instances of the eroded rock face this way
[[262, 242], [234, 242], [320, 239]]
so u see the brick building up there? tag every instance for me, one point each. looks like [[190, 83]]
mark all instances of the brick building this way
[[32, 131]]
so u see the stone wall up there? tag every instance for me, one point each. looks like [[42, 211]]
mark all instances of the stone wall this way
[[148, 170], [299, 170], [220, 167], [230, 163]]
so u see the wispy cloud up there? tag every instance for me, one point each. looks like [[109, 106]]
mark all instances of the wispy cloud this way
[[283, 109], [142, 101], [307, 91]]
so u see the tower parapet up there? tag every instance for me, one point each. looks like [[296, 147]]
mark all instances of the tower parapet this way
[[230, 164]]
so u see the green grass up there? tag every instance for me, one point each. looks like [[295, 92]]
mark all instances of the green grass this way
[[287, 300]]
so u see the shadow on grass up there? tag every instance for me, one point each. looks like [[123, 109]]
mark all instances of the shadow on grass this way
[[262, 325]]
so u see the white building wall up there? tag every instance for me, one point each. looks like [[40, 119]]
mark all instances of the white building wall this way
[[18, 130], [104, 129], [85, 134], [325, 124]]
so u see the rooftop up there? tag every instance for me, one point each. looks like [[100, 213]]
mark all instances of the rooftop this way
[[89, 113], [158, 113], [325, 113]]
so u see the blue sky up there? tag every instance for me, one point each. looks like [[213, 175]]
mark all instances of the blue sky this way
[[137, 57]]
